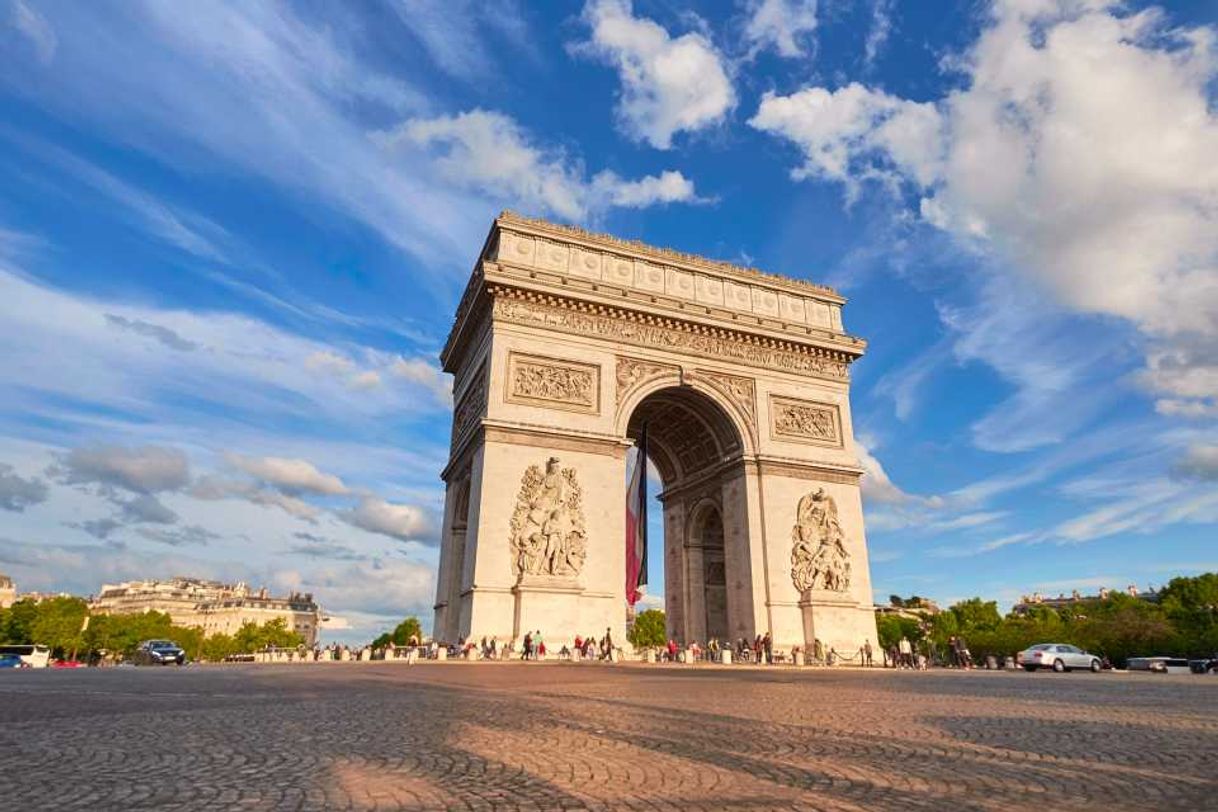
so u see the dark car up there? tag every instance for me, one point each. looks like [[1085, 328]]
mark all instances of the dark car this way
[[1204, 665], [159, 652], [11, 661]]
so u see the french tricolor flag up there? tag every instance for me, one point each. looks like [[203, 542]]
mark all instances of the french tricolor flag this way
[[636, 523]]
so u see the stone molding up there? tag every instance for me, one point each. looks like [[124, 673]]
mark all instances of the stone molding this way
[[515, 306], [799, 469], [541, 436], [556, 253], [805, 421], [554, 383]]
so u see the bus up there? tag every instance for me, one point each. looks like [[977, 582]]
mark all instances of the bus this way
[[33, 656]]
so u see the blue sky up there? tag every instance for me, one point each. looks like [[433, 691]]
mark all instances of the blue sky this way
[[233, 235]]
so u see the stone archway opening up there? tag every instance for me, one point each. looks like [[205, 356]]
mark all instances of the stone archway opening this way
[[697, 449]]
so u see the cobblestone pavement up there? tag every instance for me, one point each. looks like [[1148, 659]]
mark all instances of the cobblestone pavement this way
[[559, 736]]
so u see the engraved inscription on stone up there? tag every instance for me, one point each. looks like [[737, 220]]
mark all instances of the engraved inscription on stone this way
[[805, 421], [819, 559], [550, 382], [548, 534]]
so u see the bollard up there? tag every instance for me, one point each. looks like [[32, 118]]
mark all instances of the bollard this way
[[797, 658], [725, 656], [442, 653], [650, 656]]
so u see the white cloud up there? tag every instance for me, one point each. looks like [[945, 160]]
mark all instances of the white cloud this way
[[35, 29], [404, 522], [781, 25], [425, 374], [879, 32], [854, 134], [273, 93], [490, 152], [1080, 154], [1201, 462], [132, 359], [667, 187], [290, 475], [215, 488], [179, 227], [454, 33], [877, 487], [145, 470], [668, 85], [17, 492]]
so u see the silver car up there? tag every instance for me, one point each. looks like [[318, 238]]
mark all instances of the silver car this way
[[1058, 656]]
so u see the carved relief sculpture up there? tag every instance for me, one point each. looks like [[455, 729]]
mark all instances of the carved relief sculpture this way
[[557, 383], [548, 534], [470, 408], [622, 326], [819, 559], [742, 392], [633, 373], [803, 420]]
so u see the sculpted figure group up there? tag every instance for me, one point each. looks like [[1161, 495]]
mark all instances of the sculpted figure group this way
[[548, 535], [819, 559]]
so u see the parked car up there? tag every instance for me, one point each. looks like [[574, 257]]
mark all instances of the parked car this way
[[1058, 656], [1204, 665], [12, 661], [1159, 665], [159, 652]]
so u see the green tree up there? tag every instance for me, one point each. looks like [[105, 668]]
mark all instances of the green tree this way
[[57, 623], [891, 628], [976, 615], [401, 634], [272, 634], [20, 623], [650, 629]]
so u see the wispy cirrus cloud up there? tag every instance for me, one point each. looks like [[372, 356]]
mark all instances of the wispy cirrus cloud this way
[[274, 94]]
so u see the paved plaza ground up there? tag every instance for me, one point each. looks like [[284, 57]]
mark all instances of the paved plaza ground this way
[[561, 736]]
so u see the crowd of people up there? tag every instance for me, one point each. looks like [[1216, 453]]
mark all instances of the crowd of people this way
[[760, 650]]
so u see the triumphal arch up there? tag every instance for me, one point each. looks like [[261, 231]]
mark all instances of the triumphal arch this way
[[565, 345]]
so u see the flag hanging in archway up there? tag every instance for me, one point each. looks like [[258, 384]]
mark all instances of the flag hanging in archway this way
[[636, 523]]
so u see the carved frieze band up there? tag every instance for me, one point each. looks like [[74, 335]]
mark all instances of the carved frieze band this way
[[470, 408], [805, 421], [630, 327], [554, 383]]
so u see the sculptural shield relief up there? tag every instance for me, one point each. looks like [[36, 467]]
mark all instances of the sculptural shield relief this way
[[819, 559], [548, 534]]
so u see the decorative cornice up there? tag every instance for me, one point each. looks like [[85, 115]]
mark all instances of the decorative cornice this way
[[531, 308], [742, 273]]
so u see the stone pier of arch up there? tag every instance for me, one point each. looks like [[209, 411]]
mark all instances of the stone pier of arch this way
[[565, 344]]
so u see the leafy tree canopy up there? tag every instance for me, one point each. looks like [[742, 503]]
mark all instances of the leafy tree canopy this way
[[650, 629]]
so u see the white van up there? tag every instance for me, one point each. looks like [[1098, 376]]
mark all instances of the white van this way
[[32, 656]]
